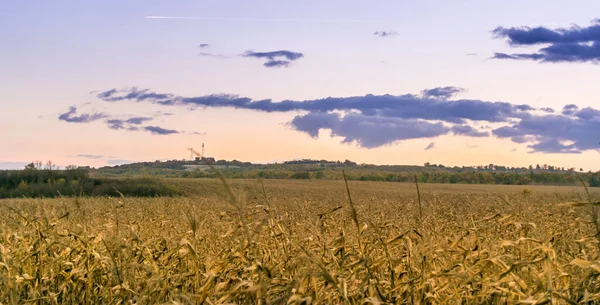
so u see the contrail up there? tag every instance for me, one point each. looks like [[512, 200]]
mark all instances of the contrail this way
[[167, 17], [264, 19]]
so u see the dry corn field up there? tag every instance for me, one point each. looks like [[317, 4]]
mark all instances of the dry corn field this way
[[305, 242]]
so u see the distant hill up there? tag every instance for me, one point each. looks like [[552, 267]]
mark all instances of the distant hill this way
[[332, 170], [201, 163]]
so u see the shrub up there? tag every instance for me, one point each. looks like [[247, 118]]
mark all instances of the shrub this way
[[300, 175]]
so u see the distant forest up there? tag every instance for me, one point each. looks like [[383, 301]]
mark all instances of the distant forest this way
[[331, 170], [143, 179], [36, 180]]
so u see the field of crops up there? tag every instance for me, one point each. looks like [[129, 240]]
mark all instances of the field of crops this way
[[305, 242]]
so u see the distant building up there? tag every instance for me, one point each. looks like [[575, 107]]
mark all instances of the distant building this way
[[205, 159]]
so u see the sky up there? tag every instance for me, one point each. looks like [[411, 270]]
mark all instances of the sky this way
[[382, 82]]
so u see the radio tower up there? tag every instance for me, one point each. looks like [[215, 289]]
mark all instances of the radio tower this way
[[202, 151]]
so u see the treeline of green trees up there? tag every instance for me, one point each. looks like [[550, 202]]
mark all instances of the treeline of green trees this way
[[37, 182], [509, 178]]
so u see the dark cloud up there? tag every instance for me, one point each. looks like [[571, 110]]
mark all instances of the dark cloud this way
[[518, 36], [159, 130], [466, 130], [587, 113], [72, 117], [312, 123], [555, 133], [377, 120], [570, 109], [133, 93], [574, 44], [406, 106], [385, 33], [203, 45], [115, 124], [555, 146], [374, 131], [442, 92], [368, 131], [138, 120], [504, 56], [280, 58], [430, 146], [130, 124], [119, 124], [547, 109]]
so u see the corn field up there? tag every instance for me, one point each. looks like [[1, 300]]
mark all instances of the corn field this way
[[305, 242]]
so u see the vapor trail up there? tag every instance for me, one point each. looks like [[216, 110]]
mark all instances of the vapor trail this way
[[263, 19]]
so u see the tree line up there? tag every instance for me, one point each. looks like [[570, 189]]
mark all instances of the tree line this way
[[37, 180], [451, 177]]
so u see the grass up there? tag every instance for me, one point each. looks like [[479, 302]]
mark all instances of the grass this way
[[305, 242]]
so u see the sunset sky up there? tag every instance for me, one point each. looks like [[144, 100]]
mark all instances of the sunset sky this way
[[384, 82]]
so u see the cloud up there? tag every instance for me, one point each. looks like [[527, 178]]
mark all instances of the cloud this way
[[570, 109], [12, 165], [385, 33], [212, 55], [430, 146], [574, 44], [159, 113], [555, 133], [547, 109], [466, 130], [280, 58], [72, 117], [119, 162], [471, 54], [442, 92], [159, 130], [313, 122], [368, 131], [118, 124], [113, 122], [406, 106], [377, 120], [374, 131], [138, 120], [203, 45], [85, 156]]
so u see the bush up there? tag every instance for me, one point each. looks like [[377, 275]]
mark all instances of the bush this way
[[300, 175], [594, 180]]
